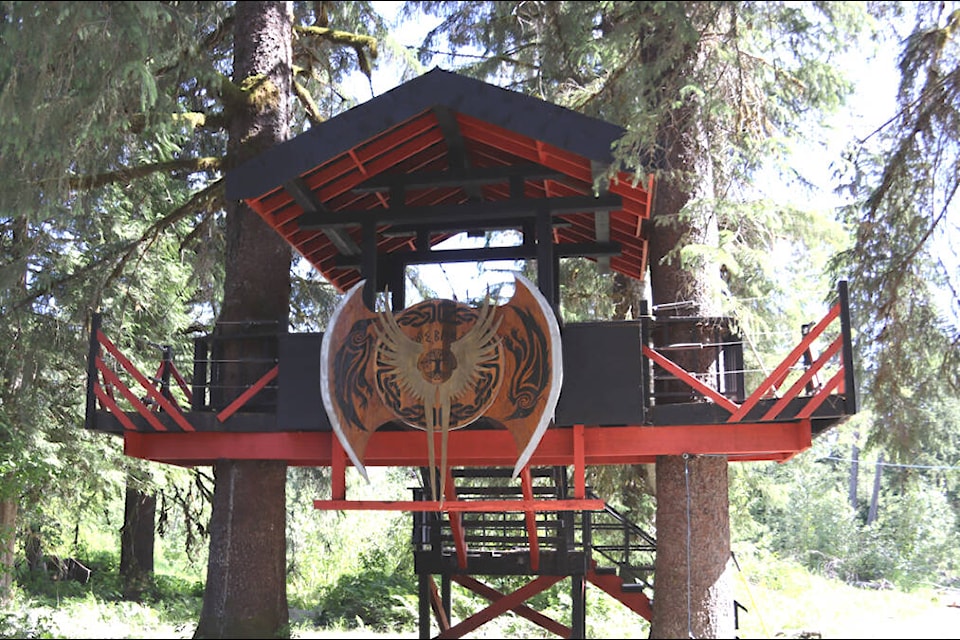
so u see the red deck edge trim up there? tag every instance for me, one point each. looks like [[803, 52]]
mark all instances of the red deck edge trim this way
[[495, 448]]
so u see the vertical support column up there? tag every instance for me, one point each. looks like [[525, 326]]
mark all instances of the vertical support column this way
[[529, 229], [201, 355], [338, 469], [579, 463], [445, 594], [849, 380], [646, 367], [91, 410], [578, 613], [167, 351], [368, 262], [398, 292], [546, 276], [423, 591]]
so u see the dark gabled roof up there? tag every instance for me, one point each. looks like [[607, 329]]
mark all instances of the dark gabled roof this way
[[437, 155]]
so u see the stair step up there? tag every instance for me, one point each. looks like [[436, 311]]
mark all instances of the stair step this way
[[605, 570], [518, 521], [497, 472], [632, 587], [464, 492], [501, 540], [518, 525]]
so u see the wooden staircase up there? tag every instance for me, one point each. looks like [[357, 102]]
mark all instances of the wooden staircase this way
[[601, 547]]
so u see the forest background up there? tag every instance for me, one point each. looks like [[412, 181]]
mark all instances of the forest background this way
[[107, 202]]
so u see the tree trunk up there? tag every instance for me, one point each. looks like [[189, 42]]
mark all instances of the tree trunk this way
[[137, 542], [875, 496], [8, 540], [854, 472], [245, 594], [693, 592]]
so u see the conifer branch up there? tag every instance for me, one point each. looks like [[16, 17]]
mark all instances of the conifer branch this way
[[359, 42], [131, 173], [200, 120], [335, 36], [206, 200], [309, 104]]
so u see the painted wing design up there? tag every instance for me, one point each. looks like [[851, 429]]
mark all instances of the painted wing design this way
[[398, 351], [506, 367], [456, 370], [477, 347]]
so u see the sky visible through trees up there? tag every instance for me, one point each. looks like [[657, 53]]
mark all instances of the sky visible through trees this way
[[873, 105]]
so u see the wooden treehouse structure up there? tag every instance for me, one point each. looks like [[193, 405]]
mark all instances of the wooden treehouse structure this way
[[513, 404]]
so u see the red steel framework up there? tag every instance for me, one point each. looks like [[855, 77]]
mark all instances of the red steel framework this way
[[169, 436]]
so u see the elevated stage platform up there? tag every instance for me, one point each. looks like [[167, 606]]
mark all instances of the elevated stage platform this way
[[608, 411], [365, 195]]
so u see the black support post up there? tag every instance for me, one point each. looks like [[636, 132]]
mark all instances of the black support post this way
[[90, 420], [201, 355], [578, 616], [445, 594], [849, 381], [369, 261], [546, 277], [423, 581]]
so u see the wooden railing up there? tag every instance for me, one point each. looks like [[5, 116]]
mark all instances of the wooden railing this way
[[838, 354], [146, 396]]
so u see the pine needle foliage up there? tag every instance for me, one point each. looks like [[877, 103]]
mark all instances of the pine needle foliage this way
[[903, 180]]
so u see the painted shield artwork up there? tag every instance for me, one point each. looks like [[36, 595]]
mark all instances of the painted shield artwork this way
[[441, 365]]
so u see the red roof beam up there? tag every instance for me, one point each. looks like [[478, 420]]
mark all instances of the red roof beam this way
[[547, 155]]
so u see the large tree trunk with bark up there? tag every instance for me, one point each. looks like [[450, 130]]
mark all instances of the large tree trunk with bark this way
[[693, 593], [245, 595], [137, 542]]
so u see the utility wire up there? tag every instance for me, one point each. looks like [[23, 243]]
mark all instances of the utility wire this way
[[894, 464], [686, 482]]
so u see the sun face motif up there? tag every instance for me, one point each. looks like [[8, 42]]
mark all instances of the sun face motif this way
[[437, 365]]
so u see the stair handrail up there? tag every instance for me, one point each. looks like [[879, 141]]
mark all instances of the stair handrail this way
[[623, 519], [644, 543]]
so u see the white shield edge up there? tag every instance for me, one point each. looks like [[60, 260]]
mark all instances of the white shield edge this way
[[325, 373], [556, 358]]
